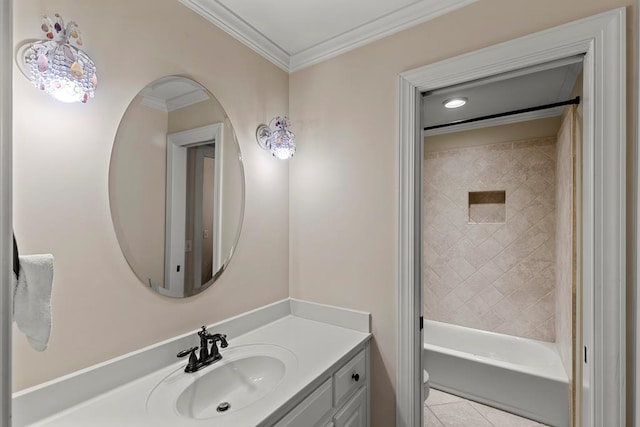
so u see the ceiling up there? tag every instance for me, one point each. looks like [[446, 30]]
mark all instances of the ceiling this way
[[294, 34], [540, 85], [172, 93]]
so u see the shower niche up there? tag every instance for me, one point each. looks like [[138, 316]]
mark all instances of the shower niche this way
[[487, 207]]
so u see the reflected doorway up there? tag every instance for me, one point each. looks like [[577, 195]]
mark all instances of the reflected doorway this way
[[200, 252]]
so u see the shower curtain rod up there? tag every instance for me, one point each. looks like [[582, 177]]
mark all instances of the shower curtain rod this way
[[574, 101]]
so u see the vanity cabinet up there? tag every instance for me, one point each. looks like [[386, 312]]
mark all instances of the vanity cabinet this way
[[324, 351], [340, 401]]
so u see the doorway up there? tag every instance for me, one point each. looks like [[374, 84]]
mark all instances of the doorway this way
[[201, 254], [192, 215], [500, 174], [601, 40]]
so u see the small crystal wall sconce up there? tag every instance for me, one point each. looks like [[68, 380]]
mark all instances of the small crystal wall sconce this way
[[57, 65], [277, 138]]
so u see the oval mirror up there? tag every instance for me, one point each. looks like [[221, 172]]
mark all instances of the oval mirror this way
[[176, 187]]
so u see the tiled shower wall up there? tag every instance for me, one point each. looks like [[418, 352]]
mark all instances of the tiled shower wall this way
[[493, 276]]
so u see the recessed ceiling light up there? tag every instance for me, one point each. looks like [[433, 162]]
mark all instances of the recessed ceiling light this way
[[455, 102]]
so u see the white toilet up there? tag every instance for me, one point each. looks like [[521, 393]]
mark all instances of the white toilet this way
[[425, 384]]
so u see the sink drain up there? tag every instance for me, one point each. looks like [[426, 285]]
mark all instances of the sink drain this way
[[223, 407]]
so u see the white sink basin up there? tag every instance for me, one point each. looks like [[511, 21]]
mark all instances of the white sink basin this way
[[231, 386], [244, 376]]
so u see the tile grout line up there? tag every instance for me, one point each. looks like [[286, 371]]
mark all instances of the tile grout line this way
[[481, 415], [436, 416], [464, 401], [470, 403]]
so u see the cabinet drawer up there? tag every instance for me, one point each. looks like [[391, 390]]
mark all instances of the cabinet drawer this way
[[349, 378], [311, 410], [355, 411]]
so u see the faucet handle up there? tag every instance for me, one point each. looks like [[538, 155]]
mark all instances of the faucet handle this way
[[192, 365], [184, 353], [219, 337], [223, 341]]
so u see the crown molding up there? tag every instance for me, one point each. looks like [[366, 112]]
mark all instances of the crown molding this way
[[236, 27], [154, 102], [384, 26], [398, 20], [173, 104], [186, 100]]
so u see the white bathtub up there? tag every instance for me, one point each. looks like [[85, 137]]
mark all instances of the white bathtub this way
[[519, 375]]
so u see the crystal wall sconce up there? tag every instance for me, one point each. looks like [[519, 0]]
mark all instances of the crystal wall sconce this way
[[57, 65], [277, 138]]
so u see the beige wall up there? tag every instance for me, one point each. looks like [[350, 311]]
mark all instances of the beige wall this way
[[344, 178], [229, 190], [61, 165], [197, 115], [137, 172], [497, 274]]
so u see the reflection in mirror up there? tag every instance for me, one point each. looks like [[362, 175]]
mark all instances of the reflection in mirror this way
[[176, 187]]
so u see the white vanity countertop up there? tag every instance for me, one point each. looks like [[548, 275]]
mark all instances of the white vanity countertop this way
[[318, 347]]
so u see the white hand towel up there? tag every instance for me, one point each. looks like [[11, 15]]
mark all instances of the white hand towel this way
[[32, 299]]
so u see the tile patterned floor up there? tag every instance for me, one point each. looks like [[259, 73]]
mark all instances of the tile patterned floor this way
[[446, 410]]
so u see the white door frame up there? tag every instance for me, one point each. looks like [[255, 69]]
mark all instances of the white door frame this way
[[636, 246], [601, 38], [6, 247], [175, 219]]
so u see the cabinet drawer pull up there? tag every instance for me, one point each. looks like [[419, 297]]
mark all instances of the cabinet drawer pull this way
[[355, 377]]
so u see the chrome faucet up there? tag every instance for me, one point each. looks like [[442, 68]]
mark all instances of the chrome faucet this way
[[207, 357]]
